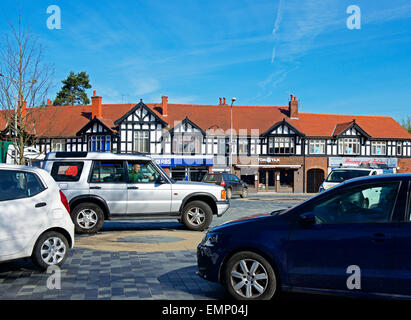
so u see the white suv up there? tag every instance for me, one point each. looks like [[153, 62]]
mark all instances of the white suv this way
[[106, 186], [34, 217]]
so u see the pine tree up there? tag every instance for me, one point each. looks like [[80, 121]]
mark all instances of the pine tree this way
[[73, 90]]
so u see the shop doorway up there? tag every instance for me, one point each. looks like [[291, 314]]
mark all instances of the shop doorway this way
[[314, 179], [267, 179]]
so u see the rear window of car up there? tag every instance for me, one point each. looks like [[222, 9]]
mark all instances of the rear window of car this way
[[212, 178], [342, 175], [18, 185], [67, 171]]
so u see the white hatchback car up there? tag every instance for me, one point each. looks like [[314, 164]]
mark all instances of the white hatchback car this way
[[34, 217]]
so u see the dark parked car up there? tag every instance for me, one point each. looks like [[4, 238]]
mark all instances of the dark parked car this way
[[352, 239], [231, 183]]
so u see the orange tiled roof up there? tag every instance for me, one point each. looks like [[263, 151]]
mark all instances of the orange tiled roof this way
[[65, 121]]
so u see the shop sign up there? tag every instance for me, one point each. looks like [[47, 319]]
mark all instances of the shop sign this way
[[357, 162], [268, 160], [183, 162]]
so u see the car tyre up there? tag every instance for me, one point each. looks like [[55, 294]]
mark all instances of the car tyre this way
[[87, 218], [244, 193], [197, 215], [249, 276], [51, 249]]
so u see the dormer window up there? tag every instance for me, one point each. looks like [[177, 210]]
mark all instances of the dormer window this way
[[349, 146]]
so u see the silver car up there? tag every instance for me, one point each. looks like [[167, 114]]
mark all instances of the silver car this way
[[107, 186]]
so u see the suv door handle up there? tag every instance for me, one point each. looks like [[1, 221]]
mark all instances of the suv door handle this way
[[95, 187], [378, 237], [41, 204], [132, 188]]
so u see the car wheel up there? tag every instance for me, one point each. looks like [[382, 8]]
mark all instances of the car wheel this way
[[229, 193], [50, 250], [244, 193], [87, 218], [197, 215], [248, 276]]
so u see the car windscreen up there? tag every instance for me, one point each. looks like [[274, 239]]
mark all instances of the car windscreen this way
[[342, 175], [211, 178]]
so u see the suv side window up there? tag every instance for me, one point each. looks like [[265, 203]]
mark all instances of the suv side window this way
[[142, 172], [366, 203], [233, 177], [18, 185], [67, 171], [107, 172]]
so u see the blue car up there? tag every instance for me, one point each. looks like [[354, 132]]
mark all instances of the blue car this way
[[352, 239]]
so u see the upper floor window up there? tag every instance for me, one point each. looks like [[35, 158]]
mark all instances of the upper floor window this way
[[242, 145], [222, 146], [349, 146], [378, 148], [280, 145], [317, 146], [186, 143], [100, 143], [141, 142], [58, 145], [399, 148]]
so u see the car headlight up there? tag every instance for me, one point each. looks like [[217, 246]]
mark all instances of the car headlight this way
[[210, 239]]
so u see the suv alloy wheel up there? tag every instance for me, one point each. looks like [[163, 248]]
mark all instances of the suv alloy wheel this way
[[197, 215], [87, 218]]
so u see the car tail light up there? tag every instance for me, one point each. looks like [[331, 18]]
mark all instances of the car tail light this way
[[222, 183], [223, 194], [64, 201]]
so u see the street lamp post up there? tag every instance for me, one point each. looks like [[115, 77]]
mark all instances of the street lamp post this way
[[231, 134]]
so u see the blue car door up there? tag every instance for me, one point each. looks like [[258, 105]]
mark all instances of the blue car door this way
[[353, 235], [403, 246]]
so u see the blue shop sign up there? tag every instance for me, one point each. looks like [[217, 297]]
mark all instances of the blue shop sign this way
[[184, 162]]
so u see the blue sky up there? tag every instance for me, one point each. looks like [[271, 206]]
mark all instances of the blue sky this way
[[260, 52]]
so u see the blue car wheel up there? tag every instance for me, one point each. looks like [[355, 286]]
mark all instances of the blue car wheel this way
[[248, 276]]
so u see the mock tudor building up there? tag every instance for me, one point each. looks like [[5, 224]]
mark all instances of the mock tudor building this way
[[274, 148]]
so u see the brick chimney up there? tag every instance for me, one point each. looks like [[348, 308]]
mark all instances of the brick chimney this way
[[96, 108], [164, 106], [23, 109], [293, 107]]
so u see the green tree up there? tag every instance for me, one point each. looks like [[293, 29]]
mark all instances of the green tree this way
[[73, 90], [406, 123]]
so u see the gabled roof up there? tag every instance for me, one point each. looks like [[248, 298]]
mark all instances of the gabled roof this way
[[107, 124], [141, 104], [185, 122], [341, 128], [280, 123]]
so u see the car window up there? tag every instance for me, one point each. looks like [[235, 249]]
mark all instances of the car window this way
[[18, 185], [234, 178], [107, 172], [342, 175], [142, 172], [366, 203], [67, 171], [212, 178]]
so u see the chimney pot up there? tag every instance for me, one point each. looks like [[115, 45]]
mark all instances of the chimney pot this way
[[94, 93], [224, 101], [221, 101]]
